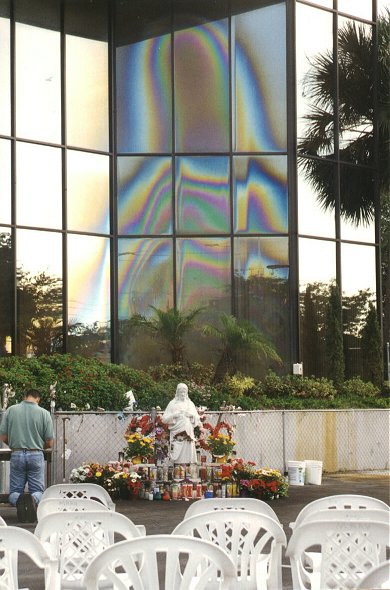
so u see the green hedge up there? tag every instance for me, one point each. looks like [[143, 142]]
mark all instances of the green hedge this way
[[83, 383]]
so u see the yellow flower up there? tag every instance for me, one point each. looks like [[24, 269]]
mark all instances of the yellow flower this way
[[98, 474]]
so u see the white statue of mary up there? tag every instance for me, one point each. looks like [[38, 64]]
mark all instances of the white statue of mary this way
[[182, 417]]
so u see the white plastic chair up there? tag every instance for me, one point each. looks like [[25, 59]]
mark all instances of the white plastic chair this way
[[51, 505], [378, 578], [339, 502], [162, 561], [14, 540], [254, 541], [75, 538], [2, 522], [79, 490], [347, 549], [209, 504]]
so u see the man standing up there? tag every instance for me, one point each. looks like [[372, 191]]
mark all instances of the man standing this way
[[27, 429]]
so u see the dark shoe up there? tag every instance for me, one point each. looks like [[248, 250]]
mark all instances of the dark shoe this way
[[26, 508]]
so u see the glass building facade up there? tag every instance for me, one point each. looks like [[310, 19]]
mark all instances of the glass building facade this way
[[152, 154]]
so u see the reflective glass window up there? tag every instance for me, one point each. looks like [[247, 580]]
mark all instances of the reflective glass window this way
[[89, 296], [87, 93], [6, 290], [5, 181], [317, 272], [203, 273], [316, 197], [144, 275], [39, 292], [324, 3], [382, 6], [358, 290], [359, 8], [202, 194], [259, 87], [356, 84], [5, 77], [38, 83], [39, 187], [144, 96], [260, 194], [202, 87], [144, 195], [315, 127], [88, 192], [261, 271], [357, 204]]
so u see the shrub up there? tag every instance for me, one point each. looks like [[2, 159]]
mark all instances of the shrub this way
[[358, 387]]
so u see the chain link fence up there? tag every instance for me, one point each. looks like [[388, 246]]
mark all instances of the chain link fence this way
[[344, 440]]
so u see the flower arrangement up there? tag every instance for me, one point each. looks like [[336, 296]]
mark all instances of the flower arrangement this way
[[266, 484], [218, 443], [128, 480], [95, 473], [146, 437]]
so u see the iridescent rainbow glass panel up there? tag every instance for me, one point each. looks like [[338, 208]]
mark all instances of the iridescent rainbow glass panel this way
[[144, 276], [39, 186], [144, 195], [87, 93], [5, 77], [259, 58], [260, 194], [88, 192], [202, 195], [88, 292], [203, 273], [38, 83], [5, 181], [144, 96], [202, 87]]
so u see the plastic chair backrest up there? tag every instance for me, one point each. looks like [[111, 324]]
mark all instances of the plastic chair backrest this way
[[2, 522], [254, 541], [339, 502], [189, 563], [348, 549], [78, 490], [51, 505], [207, 504], [379, 578], [75, 538], [14, 540]]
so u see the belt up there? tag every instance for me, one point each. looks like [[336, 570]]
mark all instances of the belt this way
[[28, 450]]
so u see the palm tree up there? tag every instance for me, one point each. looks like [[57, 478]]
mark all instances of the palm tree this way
[[170, 326], [238, 336]]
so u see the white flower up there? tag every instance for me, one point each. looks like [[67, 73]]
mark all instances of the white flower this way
[[87, 407], [73, 406]]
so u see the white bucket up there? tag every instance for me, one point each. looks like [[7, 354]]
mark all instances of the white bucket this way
[[296, 473], [313, 472]]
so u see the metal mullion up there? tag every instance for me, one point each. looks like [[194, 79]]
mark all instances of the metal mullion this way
[[64, 182], [13, 287]]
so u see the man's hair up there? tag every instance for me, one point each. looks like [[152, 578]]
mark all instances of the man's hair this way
[[33, 393]]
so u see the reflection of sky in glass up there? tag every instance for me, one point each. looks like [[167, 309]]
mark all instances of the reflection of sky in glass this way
[[319, 41], [5, 97], [5, 181], [88, 292], [38, 83], [261, 257], [203, 272], [88, 192], [87, 93], [260, 194], [39, 186], [317, 262], [259, 52], [144, 96], [351, 280], [202, 189], [144, 276], [144, 195], [201, 88], [39, 252], [361, 8], [312, 218]]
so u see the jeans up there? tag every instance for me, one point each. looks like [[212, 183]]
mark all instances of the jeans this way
[[26, 467]]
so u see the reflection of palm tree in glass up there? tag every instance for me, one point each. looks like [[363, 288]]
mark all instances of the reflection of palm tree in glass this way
[[355, 119]]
